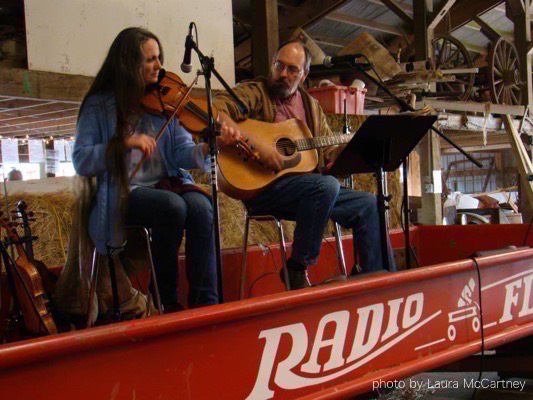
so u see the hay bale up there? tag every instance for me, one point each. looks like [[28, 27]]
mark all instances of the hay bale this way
[[53, 219]]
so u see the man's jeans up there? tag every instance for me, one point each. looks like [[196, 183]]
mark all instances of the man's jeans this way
[[167, 214], [311, 200]]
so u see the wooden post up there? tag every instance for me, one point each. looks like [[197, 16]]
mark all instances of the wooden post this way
[[265, 34], [420, 28], [518, 12], [429, 148], [430, 176], [525, 167]]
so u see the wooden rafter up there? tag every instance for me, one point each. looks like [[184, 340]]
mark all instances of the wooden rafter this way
[[487, 30], [349, 19], [43, 85], [462, 12], [305, 14], [396, 9], [330, 41], [441, 13]]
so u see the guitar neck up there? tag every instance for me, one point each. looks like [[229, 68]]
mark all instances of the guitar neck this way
[[322, 141]]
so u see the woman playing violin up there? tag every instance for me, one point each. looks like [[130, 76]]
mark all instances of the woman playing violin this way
[[113, 135]]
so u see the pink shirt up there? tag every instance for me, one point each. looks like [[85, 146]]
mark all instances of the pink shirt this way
[[291, 107]]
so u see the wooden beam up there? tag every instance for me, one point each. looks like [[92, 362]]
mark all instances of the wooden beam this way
[[463, 12], [422, 39], [489, 32], [472, 106], [356, 21], [265, 35], [441, 13], [305, 14], [330, 41], [405, 7], [396, 9], [43, 85], [472, 149], [469, 138], [515, 8]]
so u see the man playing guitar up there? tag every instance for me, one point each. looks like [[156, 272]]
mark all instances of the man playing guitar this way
[[310, 199]]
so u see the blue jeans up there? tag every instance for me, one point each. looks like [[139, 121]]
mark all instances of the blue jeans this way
[[311, 200], [167, 214]]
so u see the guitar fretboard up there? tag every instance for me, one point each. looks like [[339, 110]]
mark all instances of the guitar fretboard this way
[[322, 141]]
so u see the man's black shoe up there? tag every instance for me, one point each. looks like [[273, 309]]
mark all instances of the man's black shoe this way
[[298, 279]]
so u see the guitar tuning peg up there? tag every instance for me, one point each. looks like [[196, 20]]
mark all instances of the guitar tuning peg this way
[[246, 140], [31, 214], [32, 219]]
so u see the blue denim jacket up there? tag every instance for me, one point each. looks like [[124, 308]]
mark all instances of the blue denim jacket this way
[[96, 126]]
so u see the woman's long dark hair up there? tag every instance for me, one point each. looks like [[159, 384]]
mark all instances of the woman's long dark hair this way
[[122, 75]]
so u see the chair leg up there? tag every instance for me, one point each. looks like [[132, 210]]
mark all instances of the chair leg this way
[[340, 250], [117, 312], [283, 252], [92, 288], [244, 255], [153, 277]]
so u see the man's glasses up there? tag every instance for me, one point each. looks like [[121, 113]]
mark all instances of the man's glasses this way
[[291, 69]]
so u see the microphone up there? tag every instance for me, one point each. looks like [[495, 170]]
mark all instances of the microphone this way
[[347, 59], [186, 65]]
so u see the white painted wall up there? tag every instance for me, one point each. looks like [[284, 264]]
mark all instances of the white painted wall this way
[[73, 36]]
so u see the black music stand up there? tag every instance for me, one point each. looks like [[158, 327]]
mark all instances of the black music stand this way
[[380, 145]]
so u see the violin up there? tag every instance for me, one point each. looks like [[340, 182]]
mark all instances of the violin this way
[[29, 288], [48, 278], [172, 98]]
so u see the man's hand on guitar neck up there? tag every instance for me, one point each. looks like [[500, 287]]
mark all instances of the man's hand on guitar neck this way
[[265, 155]]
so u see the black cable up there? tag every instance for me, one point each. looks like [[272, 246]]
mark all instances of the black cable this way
[[266, 273], [527, 233], [481, 327]]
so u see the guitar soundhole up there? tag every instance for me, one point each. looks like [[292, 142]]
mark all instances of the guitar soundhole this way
[[285, 147]]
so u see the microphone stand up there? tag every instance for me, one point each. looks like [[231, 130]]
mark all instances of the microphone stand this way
[[210, 135], [348, 182], [404, 106]]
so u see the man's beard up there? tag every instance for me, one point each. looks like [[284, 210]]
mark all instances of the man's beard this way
[[279, 89]]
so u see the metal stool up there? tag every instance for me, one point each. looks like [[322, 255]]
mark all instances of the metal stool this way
[[94, 275], [272, 218]]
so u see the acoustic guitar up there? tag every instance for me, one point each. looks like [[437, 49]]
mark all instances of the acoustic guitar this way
[[28, 287], [292, 139]]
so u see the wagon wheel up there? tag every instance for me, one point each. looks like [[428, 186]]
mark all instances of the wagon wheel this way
[[451, 54], [504, 73]]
